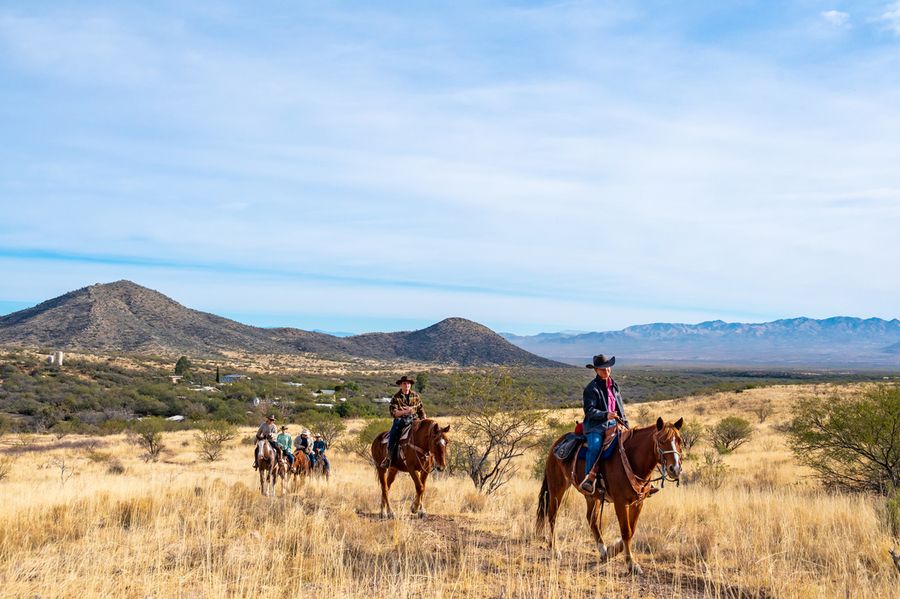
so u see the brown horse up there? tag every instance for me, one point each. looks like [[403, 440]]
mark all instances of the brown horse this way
[[267, 463], [298, 472], [627, 477], [425, 450]]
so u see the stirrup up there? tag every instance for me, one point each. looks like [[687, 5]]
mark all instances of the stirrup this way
[[592, 485]]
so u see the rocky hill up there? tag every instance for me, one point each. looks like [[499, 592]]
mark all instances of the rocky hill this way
[[835, 342], [126, 317], [453, 340]]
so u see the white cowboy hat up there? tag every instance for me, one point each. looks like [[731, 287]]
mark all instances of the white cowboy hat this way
[[305, 432]]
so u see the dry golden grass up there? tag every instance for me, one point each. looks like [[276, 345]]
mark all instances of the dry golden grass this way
[[181, 528]]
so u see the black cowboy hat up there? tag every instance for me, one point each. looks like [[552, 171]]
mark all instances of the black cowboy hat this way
[[601, 362], [271, 417], [405, 379], [283, 427]]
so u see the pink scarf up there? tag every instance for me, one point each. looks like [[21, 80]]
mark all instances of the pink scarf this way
[[611, 397]]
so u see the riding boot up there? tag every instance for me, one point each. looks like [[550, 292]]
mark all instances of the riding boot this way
[[589, 484]]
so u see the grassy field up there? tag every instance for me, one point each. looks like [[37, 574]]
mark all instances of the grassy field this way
[[70, 525]]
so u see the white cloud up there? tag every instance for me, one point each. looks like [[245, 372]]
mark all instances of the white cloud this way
[[704, 176], [836, 17], [891, 17]]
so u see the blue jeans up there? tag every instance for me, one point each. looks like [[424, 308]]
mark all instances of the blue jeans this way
[[290, 457], [397, 430], [594, 444]]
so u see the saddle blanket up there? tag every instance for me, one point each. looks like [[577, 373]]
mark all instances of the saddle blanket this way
[[403, 436], [572, 441]]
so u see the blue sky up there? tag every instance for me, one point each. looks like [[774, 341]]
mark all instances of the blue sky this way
[[532, 166]]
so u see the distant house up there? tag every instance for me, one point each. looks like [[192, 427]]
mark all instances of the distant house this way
[[175, 378], [176, 418], [327, 391], [233, 378], [381, 400], [292, 384], [324, 405], [206, 388]]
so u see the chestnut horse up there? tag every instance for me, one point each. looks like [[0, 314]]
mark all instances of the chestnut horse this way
[[300, 470], [425, 450], [627, 476]]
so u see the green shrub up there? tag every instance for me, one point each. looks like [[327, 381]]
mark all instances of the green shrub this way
[[730, 433], [852, 442]]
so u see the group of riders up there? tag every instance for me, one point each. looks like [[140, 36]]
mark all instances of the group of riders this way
[[288, 447], [601, 401]]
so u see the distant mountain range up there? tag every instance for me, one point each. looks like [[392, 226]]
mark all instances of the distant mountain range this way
[[126, 317], [836, 342]]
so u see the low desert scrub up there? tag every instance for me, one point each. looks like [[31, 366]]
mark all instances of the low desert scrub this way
[[182, 527]]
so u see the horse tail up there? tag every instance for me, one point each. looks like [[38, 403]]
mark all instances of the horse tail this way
[[543, 506]]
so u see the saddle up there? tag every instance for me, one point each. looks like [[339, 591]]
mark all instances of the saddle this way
[[573, 442], [404, 436]]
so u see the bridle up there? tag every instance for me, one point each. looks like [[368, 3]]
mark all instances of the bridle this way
[[663, 472], [426, 458]]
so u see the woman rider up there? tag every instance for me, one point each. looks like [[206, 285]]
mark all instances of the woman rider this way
[[602, 407], [285, 441]]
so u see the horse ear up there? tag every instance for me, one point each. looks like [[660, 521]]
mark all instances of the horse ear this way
[[659, 424], [446, 429], [679, 424]]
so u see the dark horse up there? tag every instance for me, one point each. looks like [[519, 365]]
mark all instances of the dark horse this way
[[627, 475], [425, 450]]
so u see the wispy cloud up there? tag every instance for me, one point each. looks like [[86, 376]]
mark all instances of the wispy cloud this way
[[891, 17], [836, 18], [609, 155]]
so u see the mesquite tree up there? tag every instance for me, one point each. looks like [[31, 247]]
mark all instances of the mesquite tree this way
[[852, 442], [499, 426]]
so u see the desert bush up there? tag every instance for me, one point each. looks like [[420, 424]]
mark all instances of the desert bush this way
[[361, 443], [6, 464], [643, 416], [63, 428], [730, 433], [555, 429], [691, 434], [212, 437], [763, 410], [148, 435], [499, 427], [852, 442], [711, 472], [330, 426], [115, 467]]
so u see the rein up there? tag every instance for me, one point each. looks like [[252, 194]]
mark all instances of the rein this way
[[643, 486]]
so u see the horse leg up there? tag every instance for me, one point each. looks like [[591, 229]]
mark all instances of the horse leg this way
[[262, 481], [593, 518], [420, 494], [386, 478], [627, 516], [420, 489]]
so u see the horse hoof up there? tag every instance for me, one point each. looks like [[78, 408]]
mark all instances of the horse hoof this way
[[604, 554], [635, 569], [422, 514]]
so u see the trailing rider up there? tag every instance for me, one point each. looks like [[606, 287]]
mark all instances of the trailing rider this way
[[284, 441]]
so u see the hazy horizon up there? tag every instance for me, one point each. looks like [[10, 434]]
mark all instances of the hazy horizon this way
[[273, 321]]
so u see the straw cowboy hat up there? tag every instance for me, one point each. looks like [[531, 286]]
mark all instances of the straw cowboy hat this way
[[601, 362]]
